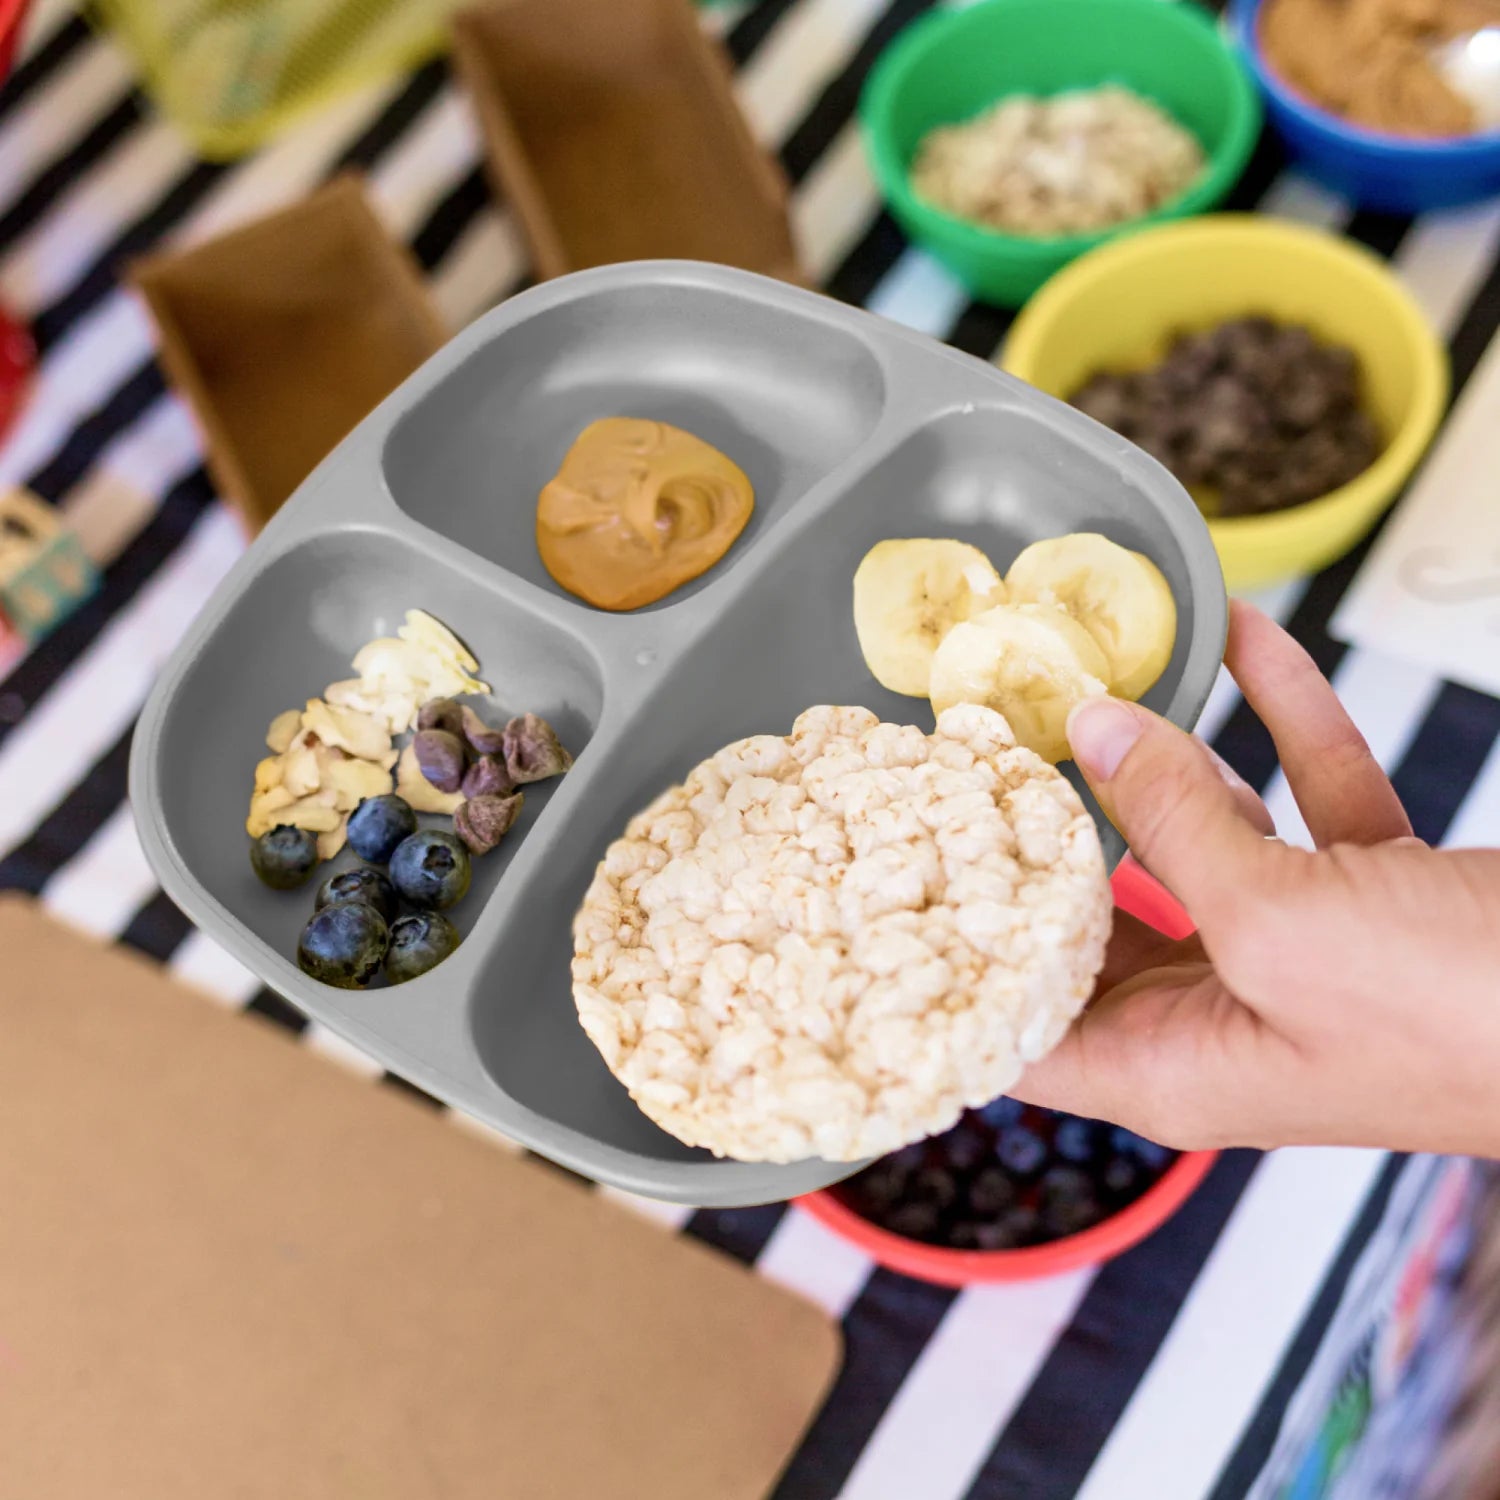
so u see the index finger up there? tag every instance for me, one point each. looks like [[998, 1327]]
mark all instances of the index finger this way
[[1342, 792]]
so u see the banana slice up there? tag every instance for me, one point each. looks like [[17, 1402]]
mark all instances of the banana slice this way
[[1030, 663], [1118, 596], [908, 594]]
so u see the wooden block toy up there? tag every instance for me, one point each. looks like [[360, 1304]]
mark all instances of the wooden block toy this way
[[44, 572]]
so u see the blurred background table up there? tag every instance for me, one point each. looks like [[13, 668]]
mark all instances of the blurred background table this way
[[1180, 1369]]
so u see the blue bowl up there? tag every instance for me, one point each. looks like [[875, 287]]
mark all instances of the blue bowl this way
[[1370, 167]]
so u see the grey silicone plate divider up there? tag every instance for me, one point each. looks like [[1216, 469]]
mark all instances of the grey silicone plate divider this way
[[851, 429]]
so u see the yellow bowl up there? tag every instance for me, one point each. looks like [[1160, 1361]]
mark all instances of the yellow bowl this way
[[1118, 307]]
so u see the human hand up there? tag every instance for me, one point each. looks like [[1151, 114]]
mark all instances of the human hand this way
[[1345, 996]]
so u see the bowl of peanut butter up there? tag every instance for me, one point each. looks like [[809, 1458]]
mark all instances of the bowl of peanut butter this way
[[1382, 100]]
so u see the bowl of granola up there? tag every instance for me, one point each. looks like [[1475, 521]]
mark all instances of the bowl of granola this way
[[1010, 136]]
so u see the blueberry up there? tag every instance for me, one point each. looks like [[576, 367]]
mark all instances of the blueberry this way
[[343, 945], [1014, 1228], [431, 869], [934, 1185], [419, 943], [917, 1221], [879, 1186], [284, 857], [1021, 1151], [964, 1235], [965, 1146], [1151, 1156], [1002, 1113], [991, 1192], [1068, 1204], [1121, 1175], [366, 884], [378, 824], [1074, 1139]]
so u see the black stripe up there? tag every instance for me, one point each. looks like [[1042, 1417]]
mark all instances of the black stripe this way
[[403, 1086], [834, 107], [158, 929], [885, 1331], [61, 173], [1259, 1436], [980, 329], [283, 1013], [125, 405], [49, 325], [1472, 337], [866, 265], [1445, 757], [746, 35], [64, 831], [740, 1232], [147, 551], [1055, 1434], [32, 72], [452, 216], [396, 118], [1378, 231], [1265, 165], [557, 1166]]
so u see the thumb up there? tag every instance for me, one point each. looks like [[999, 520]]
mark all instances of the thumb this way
[[1161, 789]]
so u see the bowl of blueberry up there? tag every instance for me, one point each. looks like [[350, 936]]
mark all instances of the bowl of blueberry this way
[[1010, 1193], [1014, 1192]]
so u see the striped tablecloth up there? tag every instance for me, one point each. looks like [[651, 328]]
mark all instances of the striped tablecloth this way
[[1165, 1374]]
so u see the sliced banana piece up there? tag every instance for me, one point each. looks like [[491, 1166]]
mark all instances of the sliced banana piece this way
[[1117, 595], [908, 594], [1030, 663]]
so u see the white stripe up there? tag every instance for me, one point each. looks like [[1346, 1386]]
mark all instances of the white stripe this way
[[93, 703], [1387, 700], [668, 1215], [43, 19], [123, 489], [814, 41], [835, 203], [814, 1262], [958, 1396], [432, 158], [920, 293], [718, 20], [103, 886], [1293, 196], [477, 1128], [332, 1046], [485, 263], [203, 964], [1445, 256], [1226, 1342], [90, 213], [90, 84]]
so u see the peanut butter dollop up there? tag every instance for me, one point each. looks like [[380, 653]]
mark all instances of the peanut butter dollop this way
[[636, 510], [1369, 60]]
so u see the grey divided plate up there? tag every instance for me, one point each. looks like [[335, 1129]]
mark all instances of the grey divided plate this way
[[851, 429]]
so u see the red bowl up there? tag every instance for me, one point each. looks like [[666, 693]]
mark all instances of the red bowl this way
[[1137, 893]]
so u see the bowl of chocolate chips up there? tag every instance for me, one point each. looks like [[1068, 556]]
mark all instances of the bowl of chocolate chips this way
[[1284, 375], [1014, 1192]]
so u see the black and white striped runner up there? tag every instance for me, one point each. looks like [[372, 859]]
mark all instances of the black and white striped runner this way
[[1161, 1375]]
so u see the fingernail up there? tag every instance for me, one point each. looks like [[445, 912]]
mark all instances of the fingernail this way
[[1101, 732]]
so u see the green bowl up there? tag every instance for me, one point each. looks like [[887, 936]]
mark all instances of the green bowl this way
[[952, 64]]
